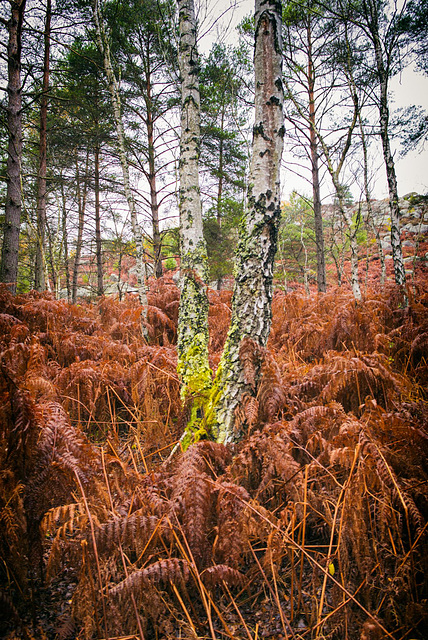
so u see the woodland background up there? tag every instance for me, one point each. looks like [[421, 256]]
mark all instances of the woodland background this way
[[314, 525]]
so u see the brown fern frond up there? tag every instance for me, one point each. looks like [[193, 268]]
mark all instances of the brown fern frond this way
[[13, 528], [219, 573], [419, 343], [232, 520], [247, 412], [40, 388], [14, 361], [218, 321], [45, 314], [415, 515], [270, 393], [24, 431], [193, 487], [161, 325], [132, 532], [87, 326], [7, 323], [250, 356], [192, 504], [163, 572], [301, 427], [58, 516]]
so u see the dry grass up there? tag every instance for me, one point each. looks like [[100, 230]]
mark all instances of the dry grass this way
[[313, 527]]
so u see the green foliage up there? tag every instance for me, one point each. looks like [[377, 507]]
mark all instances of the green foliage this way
[[296, 243], [223, 118], [171, 242], [170, 263], [221, 238], [411, 127]]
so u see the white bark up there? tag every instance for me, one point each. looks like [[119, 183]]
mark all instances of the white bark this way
[[192, 339], [251, 306], [397, 252], [113, 85]]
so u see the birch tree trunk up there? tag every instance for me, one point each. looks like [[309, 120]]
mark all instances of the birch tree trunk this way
[[12, 221], [397, 252], [192, 338], [113, 85], [252, 297], [383, 60]]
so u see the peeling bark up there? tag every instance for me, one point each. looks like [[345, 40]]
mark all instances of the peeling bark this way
[[252, 297], [192, 338], [12, 221]]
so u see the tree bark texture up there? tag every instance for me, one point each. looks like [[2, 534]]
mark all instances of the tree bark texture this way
[[383, 74], [39, 279], [113, 85], [252, 297], [12, 222], [397, 252], [192, 338]]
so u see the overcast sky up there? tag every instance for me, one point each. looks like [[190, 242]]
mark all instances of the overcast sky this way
[[410, 88]]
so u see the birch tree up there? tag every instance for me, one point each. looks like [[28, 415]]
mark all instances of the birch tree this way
[[384, 35], [192, 338], [252, 297]]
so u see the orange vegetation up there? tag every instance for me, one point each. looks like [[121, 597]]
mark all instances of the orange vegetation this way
[[313, 527]]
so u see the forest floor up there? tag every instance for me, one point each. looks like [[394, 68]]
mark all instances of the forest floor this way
[[314, 526]]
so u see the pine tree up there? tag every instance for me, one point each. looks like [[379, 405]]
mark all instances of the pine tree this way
[[12, 222]]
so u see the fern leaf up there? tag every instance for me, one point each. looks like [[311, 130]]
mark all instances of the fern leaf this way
[[159, 573], [214, 576]]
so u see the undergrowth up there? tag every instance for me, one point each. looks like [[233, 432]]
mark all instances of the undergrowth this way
[[313, 527]]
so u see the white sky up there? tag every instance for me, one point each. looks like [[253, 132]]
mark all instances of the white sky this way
[[410, 88]]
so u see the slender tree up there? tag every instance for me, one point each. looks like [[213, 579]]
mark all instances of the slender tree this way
[[192, 339], [104, 47], [40, 267], [224, 149], [142, 47], [309, 83], [12, 222], [81, 193], [316, 191], [252, 296], [384, 35]]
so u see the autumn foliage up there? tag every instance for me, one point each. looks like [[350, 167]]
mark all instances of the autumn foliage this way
[[313, 527]]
